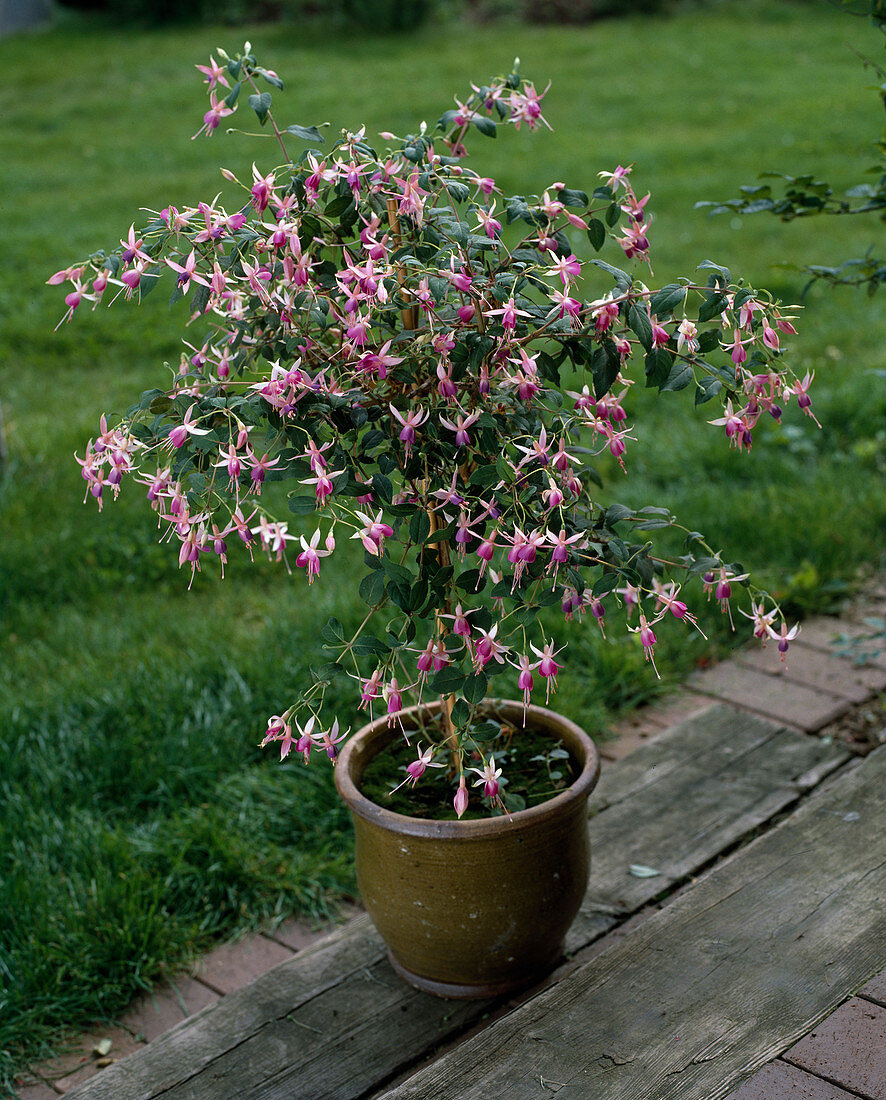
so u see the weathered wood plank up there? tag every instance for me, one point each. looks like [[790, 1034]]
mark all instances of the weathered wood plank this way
[[304, 1029], [714, 985]]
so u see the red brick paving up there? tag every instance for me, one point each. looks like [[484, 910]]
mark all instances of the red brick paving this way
[[817, 669], [782, 700], [167, 1006], [875, 990], [849, 1048], [234, 964], [779, 1081], [82, 1061], [37, 1092]]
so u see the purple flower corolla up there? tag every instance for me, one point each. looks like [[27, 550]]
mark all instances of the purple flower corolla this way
[[489, 776], [463, 423], [417, 768], [784, 637], [310, 556], [178, 435]]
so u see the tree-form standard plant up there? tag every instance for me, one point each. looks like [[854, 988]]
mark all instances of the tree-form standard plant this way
[[375, 334]]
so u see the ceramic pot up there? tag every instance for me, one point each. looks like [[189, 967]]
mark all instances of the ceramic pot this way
[[473, 908]]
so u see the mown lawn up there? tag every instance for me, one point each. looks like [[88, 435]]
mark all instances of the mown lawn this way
[[138, 819]]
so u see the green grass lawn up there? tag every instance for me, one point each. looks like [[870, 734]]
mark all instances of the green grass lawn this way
[[138, 819]]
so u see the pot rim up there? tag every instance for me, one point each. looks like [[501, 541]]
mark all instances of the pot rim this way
[[357, 746]]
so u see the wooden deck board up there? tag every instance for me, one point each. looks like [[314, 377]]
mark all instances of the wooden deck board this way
[[714, 985], [336, 1022]]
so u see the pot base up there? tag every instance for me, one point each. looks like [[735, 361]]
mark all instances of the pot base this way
[[455, 991]]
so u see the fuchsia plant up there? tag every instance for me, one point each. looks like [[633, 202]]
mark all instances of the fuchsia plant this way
[[373, 334]]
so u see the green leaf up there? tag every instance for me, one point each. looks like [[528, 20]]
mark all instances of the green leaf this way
[[658, 367], [613, 214], [419, 526], [447, 681], [680, 377], [617, 512], [639, 321], [706, 389], [722, 272], [231, 97], [302, 506], [261, 104], [605, 584], [654, 523], [605, 365], [333, 631], [712, 306], [271, 78], [485, 125], [368, 644], [571, 197], [596, 233], [484, 475], [475, 687], [461, 713], [666, 300], [372, 587], [383, 488], [308, 133]]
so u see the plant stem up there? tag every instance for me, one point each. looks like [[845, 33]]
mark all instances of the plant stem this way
[[407, 315]]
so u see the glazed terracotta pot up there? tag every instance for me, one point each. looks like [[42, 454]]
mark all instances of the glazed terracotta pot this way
[[473, 908]]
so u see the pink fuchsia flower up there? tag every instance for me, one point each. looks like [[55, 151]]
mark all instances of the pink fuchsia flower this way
[[187, 272], [214, 73], [278, 730], [410, 421], [178, 435], [547, 666], [461, 427], [526, 107], [379, 361], [666, 600], [563, 304], [687, 337], [417, 768], [373, 533], [648, 639], [329, 739], [567, 267], [491, 226], [259, 468], [801, 389], [488, 648], [262, 189], [761, 618], [310, 556], [485, 551], [508, 313], [460, 624], [217, 111], [561, 543], [616, 179], [784, 637], [394, 699], [489, 775], [370, 688], [323, 484], [525, 679], [273, 536]]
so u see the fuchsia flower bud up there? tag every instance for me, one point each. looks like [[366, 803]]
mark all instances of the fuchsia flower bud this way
[[460, 802]]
